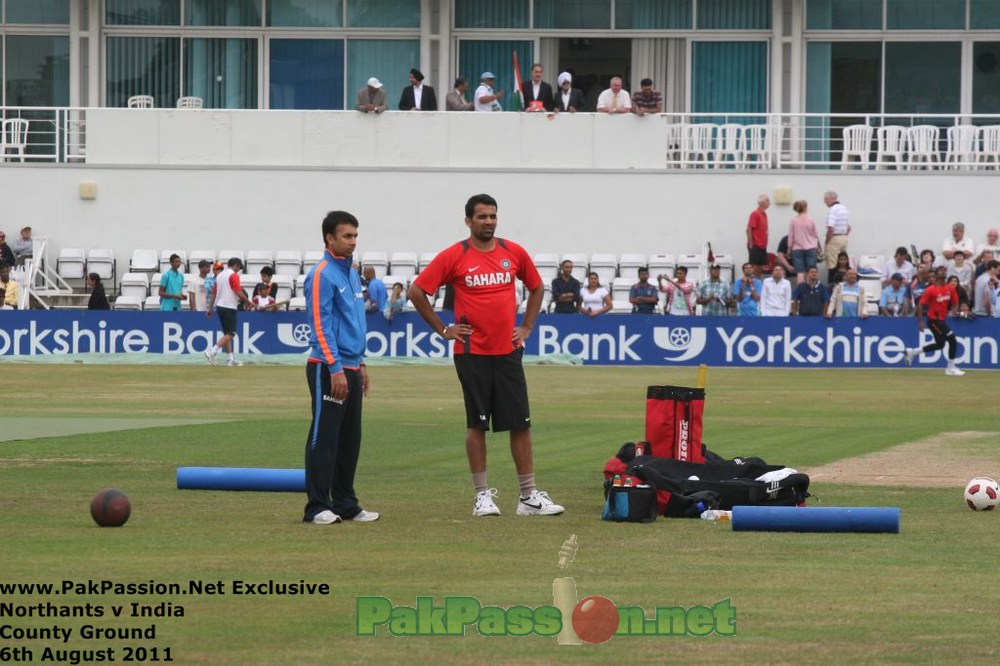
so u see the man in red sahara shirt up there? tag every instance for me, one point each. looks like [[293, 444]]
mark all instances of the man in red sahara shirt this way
[[488, 346], [939, 299]]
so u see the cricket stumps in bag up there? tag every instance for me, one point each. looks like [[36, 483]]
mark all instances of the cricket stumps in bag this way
[[674, 422]]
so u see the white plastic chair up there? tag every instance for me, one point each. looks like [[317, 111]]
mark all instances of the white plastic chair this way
[[377, 260], [547, 264], [297, 303], [963, 146], [15, 137], [425, 258], [300, 285], [287, 262], [403, 264], [144, 261], [891, 140], [857, 143], [226, 255], [990, 150], [310, 259], [102, 262], [70, 264], [258, 259], [136, 285], [621, 287], [152, 302], [190, 102], [922, 145], [621, 306], [693, 263], [696, 144], [141, 102], [129, 303], [730, 144], [661, 263], [726, 267], [284, 284], [757, 146], [674, 139], [630, 262], [579, 260], [197, 256]]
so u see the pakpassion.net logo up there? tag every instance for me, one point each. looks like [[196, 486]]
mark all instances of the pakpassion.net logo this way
[[594, 619]]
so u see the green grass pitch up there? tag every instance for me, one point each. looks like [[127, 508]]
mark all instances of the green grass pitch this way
[[922, 596]]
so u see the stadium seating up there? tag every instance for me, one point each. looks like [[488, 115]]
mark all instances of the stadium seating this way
[[425, 258], [226, 255], [70, 264], [284, 284], [144, 261], [288, 262], [128, 303], [579, 260], [135, 285], [165, 260], [258, 259], [197, 256], [403, 264], [377, 260], [102, 262], [151, 303]]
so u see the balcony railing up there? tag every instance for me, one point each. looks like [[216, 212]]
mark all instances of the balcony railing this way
[[715, 142]]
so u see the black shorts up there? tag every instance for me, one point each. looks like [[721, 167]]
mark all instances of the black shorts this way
[[227, 320], [758, 256], [495, 391]]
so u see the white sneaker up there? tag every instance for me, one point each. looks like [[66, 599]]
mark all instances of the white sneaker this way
[[954, 372], [485, 506], [233, 363], [910, 353], [366, 516], [326, 517], [210, 355], [538, 503]]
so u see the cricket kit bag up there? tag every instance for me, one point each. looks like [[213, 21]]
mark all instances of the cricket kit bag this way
[[686, 489], [674, 422]]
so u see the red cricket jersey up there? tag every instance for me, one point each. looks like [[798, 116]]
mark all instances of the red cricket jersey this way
[[758, 228], [484, 290], [938, 300]]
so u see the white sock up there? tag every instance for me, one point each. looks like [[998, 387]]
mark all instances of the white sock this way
[[229, 357]]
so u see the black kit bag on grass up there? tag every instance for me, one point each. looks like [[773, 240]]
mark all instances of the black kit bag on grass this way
[[630, 504]]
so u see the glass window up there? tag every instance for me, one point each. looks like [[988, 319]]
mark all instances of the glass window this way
[[383, 13], [734, 14], [986, 77], [223, 72], [143, 66], [491, 14], [37, 71], [844, 77], [653, 14], [922, 77], [305, 13], [844, 15], [222, 12], [38, 11], [389, 60], [925, 14], [307, 74], [729, 77], [142, 12], [476, 57], [576, 14], [984, 14]]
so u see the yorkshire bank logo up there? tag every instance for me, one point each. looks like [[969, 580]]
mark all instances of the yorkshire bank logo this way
[[294, 335], [591, 620], [682, 343]]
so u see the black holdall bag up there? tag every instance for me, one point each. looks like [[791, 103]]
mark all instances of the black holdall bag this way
[[630, 504]]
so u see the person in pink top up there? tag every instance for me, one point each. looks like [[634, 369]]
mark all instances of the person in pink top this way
[[803, 240], [680, 292]]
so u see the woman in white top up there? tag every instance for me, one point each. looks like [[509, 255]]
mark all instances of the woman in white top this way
[[594, 299], [679, 292]]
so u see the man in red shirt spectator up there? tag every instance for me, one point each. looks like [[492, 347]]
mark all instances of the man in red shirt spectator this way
[[939, 298], [757, 235], [488, 346]]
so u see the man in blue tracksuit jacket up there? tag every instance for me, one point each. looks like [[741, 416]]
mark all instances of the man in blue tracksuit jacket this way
[[338, 379]]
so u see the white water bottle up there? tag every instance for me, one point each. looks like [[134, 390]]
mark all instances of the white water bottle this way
[[717, 514]]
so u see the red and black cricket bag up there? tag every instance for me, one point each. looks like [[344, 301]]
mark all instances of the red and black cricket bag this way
[[674, 422]]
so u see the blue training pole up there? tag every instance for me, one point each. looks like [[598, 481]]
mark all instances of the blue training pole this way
[[880, 519], [241, 478]]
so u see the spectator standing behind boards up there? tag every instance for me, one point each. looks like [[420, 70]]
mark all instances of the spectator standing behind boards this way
[[23, 246], [647, 100], [643, 296], [895, 298], [171, 290], [923, 279], [266, 286], [566, 290], [6, 253], [898, 264], [811, 297], [395, 303], [98, 299], [776, 295], [371, 98], [8, 288], [376, 291], [713, 294], [537, 93], [838, 228], [757, 234], [417, 96], [679, 292], [197, 297], [485, 99], [964, 306], [746, 291], [614, 99], [848, 299], [568, 98], [455, 100], [992, 244], [961, 269], [958, 241], [981, 298], [594, 299], [839, 271], [803, 240]]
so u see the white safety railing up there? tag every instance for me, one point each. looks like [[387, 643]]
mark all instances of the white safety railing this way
[[54, 134]]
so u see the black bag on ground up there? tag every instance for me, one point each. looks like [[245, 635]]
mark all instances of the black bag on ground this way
[[630, 504]]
